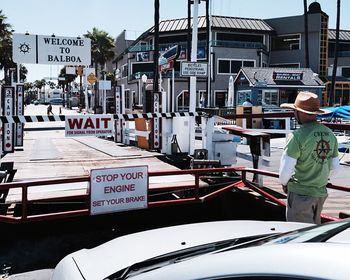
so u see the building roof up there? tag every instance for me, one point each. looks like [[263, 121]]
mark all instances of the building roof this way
[[217, 22], [344, 35], [259, 77]]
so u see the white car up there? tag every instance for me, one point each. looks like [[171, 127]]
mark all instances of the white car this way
[[219, 250], [123, 252]]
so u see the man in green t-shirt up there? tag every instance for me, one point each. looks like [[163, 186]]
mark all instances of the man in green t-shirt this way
[[309, 156]]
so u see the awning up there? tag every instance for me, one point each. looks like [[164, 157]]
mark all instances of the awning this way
[[337, 112]]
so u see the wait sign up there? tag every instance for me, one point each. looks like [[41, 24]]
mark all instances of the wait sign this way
[[195, 69], [89, 125], [118, 189]]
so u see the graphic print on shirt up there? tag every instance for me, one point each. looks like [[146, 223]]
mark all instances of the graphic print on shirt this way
[[322, 151]]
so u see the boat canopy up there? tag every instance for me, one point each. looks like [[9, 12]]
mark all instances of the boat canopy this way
[[337, 112]]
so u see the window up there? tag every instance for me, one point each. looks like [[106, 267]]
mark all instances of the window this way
[[224, 66], [345, 72], [142, 67], [127, 98], [286, 42], [239, 37], [242, 96], [232, 66], [268, 97], [183, 101], [286, 65], [202, 99], [235, 66], [220, 98], [124, 70]]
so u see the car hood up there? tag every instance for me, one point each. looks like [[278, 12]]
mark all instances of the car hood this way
[[119, 253]]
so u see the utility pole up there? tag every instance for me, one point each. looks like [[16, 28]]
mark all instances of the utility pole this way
[[208, 31], [189, 30], [193, 79], [335, 62], [156, 46]]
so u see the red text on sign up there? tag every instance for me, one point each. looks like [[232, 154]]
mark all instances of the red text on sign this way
[[88, 123]]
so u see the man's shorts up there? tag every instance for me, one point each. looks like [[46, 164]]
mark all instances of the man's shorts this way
[[304, 208]]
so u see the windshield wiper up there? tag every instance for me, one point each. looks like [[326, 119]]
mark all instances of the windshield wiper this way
[[176, 256]]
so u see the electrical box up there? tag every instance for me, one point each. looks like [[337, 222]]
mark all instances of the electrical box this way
[[225, 151]]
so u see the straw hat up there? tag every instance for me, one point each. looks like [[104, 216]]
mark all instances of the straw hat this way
[[306, 102]]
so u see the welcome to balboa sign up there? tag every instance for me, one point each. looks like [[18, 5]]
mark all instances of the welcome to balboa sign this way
[[41, 49]]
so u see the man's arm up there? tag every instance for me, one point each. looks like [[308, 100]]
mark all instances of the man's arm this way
[[335, 166], [286, 170]]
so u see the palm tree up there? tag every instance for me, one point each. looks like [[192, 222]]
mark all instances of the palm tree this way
[[101, 48], [68, 78], [335, 63], [5, 46]]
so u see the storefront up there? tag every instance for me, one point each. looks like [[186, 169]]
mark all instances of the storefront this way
[[270, 87]]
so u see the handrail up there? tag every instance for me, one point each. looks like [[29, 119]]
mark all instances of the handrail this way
[[194, 196]]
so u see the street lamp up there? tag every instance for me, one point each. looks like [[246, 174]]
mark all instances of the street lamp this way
[[144, 81]]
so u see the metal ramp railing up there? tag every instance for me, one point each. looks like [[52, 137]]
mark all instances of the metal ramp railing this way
[[157, 196]]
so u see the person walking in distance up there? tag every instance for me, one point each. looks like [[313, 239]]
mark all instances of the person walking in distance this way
[[309, 156], [49, 109]]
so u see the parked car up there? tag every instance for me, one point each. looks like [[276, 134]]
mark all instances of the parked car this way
[[56, 101], [218, 250], [125, 251]]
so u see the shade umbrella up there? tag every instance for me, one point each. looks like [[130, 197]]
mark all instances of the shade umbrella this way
[[231, 93]]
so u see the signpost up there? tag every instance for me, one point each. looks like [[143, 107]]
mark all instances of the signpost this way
[[118, 189]]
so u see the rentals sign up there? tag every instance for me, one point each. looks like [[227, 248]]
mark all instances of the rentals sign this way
[[41, 49]]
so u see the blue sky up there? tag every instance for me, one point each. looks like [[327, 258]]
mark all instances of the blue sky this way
[[76, 17]]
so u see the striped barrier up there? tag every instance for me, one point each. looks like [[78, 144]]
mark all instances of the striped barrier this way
[[126, 117]]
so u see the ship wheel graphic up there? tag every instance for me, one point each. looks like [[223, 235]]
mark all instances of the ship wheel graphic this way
[[322, 149], [24, 48]]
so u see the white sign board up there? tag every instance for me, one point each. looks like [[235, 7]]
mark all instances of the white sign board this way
[[70, 70], [89, 125], [41, 49], [194, 69], [118, 189], [104, 85]]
